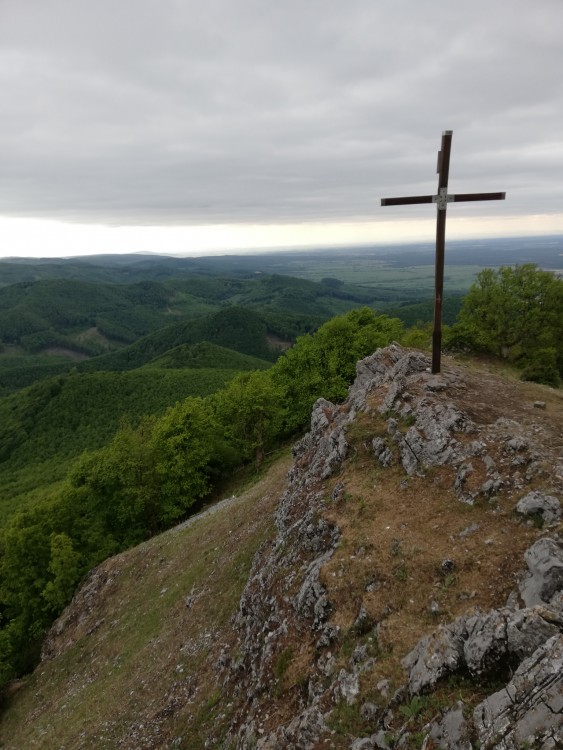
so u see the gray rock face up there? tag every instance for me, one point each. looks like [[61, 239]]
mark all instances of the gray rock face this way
[[328, 446], [432, 423], [382, 452], [301, 733], [547, 506], [311, 601], [545, 564], [505, 635], [530, 640], [530, 708], [347, 687], [480, 644], [429, 442], [434, 657], [269, 616], [375, 370], [452, 731]]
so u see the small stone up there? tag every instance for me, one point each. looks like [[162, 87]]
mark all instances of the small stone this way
[[369, 712], [326, 664], [347, 687], [539, 404], [491, 487], [330, 634], [363, 623], [359, 654], [392, 426], [452, 731], [383, 687], [471, 529], [489, 462], [363, 743], [517, 444], [447, 566], [380, 740], [338, 492], [545, 564], [436, 384]]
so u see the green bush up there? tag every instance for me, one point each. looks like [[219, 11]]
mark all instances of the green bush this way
[[541, 367]]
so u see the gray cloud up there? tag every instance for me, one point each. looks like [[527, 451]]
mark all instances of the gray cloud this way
[[171, 111]]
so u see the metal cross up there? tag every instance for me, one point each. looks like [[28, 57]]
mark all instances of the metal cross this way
[[441, 200]]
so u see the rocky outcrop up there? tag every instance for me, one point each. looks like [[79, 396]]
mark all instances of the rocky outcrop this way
[[545, 572], [284, 601], [285, 607], [524, 645], [538, 504], [529, 710]]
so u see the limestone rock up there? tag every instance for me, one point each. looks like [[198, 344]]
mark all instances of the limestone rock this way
[[382, 452], [301, 733], [365, 743], [453, 731], [423, 429], [311, 600], [505, 636], [530, 708], [547, 506], [347, 687], [545, 564], [481, 644], [434, 657], [370, 712]]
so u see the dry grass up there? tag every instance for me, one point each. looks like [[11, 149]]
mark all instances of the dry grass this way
[[395, 536]]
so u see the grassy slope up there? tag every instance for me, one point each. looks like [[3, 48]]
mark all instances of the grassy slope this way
[[141, 670], [157, 642]]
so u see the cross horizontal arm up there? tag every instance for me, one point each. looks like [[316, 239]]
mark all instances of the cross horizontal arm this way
[[406, 201], [457, 198], [477, 197]]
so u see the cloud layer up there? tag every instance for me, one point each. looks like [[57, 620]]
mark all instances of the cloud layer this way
[[183, 112]]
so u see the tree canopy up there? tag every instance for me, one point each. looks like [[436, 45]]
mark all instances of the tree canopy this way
[[516, 312]]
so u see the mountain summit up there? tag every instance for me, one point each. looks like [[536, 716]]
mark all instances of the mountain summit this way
[[400, 587]]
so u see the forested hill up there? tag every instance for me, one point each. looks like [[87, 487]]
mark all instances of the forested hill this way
[[47, 327], [235, 328], [89, 317]]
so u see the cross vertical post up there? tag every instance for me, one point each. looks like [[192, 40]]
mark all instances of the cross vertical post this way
[[441, 200], [443, 172]]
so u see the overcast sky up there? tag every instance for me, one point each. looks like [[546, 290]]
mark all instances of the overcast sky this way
[[186, 125]]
